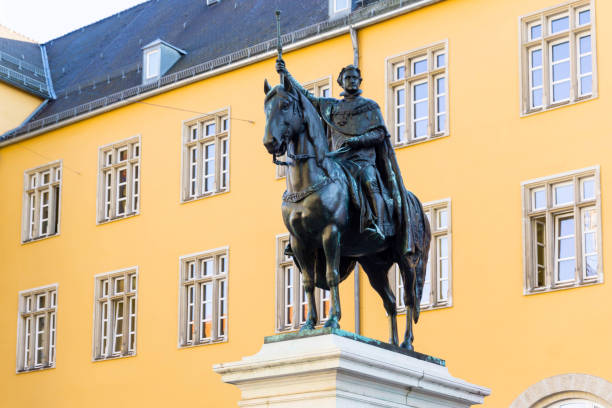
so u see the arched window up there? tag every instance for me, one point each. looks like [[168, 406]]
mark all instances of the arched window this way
[[574, 403]]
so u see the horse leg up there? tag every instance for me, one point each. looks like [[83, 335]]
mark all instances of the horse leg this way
[[377, 268], [331, 247], [408, 272], [305, 262]]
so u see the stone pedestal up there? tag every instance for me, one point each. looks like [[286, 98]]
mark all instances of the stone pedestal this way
[[328, 368]]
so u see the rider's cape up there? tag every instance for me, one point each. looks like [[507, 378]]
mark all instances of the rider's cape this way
[[407, 212]]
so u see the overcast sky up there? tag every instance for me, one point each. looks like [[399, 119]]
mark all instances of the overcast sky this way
[[44, 20]]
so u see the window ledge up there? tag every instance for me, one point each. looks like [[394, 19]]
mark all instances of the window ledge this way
[[33, 369], [207, 195], [445, 305], [570, 285], [419, 141], [131, 354], [555, 106], [29, 241], [204, 343], [121, 217]]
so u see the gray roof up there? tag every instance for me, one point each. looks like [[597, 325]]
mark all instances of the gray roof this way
[[101, 64], [21, 65]]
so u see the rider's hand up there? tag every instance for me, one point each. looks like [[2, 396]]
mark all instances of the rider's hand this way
[[351, 142], [280, 66]]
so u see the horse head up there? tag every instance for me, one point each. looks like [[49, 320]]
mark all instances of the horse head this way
[[283, 116]]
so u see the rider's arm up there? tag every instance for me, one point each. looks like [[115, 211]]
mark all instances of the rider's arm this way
[[368, 139], [281, 69]]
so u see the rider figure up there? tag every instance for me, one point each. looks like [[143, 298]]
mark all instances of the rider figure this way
[[355, 127]]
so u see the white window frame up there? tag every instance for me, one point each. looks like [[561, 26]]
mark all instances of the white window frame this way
[[283, 264], [318, 88], [433, 277], [191, 275], [109, 168], [35, 225], [549, 216], [29, 312], [196, 139], [148, 74], [107, 297], [434, 72], [544, 42]]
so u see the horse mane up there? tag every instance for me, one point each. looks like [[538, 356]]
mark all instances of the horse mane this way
[[316, 131]]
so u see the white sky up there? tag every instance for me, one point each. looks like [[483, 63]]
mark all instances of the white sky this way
[[44, 20]]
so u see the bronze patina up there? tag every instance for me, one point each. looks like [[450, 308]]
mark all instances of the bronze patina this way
[[346, 204]]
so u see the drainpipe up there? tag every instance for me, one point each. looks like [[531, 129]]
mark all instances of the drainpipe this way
[[353, 32]]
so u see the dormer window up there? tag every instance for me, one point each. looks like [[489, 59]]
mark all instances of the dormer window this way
[[152, 63], [339, 8], [158, 58]]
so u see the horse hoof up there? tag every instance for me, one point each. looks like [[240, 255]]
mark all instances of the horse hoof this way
[[333, 323], [307, 326], [407, 346]]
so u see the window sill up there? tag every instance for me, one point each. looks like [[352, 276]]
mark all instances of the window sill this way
[[121, 217], [204, 343], [29, 241], [34, 369], [445, 305], [207, 195], [419, 141], [555, 106], [131, 354], [564, 286]]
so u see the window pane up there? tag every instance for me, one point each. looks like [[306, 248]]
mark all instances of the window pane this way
[[441, 103], [210, 129], [420, 91], [400, 95], [539, 199], [561, 71], [440, 60], [536, 98], [559, 24], [535, 31], [586, 85], [400, 71], [566, 270], [441, 85], [341, 4], [564, 194], [441, 123], [401, 115], [585, 44], [536, 77], [420, 109], [442, 219], [591, 266], [566, 227], [207, 267], [418, 67], [426, 298], [560, 51], [588, 189], [584, 17], [443, 250], [420, 128], [561, 91], [536, 58], [566, 248], [585, 64]]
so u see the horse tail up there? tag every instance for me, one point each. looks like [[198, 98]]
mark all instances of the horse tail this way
[[417, 259]]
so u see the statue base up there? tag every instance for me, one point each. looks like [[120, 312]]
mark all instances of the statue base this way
[[327, 368]]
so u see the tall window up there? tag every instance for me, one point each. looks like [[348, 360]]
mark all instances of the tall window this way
[[41, 201], [437, 286], [320, 88], [206, 155], [292, 305], [562, 231], [119, 180], [203, 297], [558, 64], [417, 105], [115, 314], [36, 330]]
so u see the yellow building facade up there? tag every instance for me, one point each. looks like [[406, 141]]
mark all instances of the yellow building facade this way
[[503, 322]]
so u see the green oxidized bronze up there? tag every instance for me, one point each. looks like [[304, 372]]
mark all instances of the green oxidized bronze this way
[[349, 204]]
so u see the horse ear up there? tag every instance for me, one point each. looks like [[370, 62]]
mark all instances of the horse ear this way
[[267, 86], [287, 84]]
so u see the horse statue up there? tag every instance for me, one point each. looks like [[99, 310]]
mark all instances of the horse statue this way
[[325, 237]]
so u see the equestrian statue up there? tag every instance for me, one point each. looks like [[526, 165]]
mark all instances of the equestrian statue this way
[[345, 200]]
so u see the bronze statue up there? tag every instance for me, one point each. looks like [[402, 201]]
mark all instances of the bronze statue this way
[[349, 205]]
